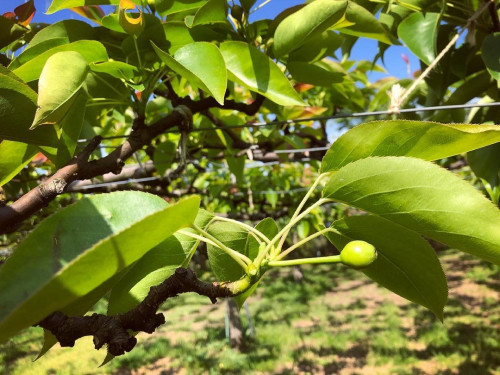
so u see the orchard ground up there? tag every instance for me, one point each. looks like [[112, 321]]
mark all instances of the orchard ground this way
[[336, 321]]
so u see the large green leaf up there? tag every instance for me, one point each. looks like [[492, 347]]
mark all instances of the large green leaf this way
[[253, 69], [406, 264], [419, 33], [62, 78], [153, 268], [79, 248], [91, 50], [491, 54], [422, 197], [13, 157], [190, 61], [312, 19], [214, 11], [362, 23], [17, 109], [425, 140], [316, 47], [56, 5], [232, 235]]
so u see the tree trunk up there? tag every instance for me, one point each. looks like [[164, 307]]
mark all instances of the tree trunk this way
[[236, 338]]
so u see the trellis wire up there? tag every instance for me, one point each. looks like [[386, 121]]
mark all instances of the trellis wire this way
[[326, 118]]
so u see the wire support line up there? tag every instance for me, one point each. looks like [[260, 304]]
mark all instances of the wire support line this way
[[325, 118]]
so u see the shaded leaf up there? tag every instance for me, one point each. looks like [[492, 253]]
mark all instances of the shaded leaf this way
[[491, 54], [17, 109], [214, 11], [232, 235], [315, 74], [13, 157]]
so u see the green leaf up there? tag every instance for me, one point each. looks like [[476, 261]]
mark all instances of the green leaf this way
[[236, 166], [491, 54], [315, 73], [253, 69], [247, 4], [99, 233], [164, 155], [485, 163], [422, 197], [10, 31], [64, 4], [269, 228], [177, 34], [316, 47], [62, 78], [421, 139], [13, 157], [314, 18], [17, 109], [91, 51], [116, 69], [232, 235], [406, 264], [190, 62], [155, 267], [419, 33], [272, 198], [362, 23], [214, 11], [166, 7], [71, 127]]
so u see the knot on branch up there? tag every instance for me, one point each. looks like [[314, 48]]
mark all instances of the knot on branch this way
[[52, 188]]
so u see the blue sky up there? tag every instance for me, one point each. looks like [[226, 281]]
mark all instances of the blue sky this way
[[364, 49]]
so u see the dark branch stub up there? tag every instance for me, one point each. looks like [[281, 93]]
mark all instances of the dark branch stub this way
[[114, 330]]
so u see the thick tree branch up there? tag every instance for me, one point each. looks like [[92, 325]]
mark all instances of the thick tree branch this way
[[114, 330], [79, 168]]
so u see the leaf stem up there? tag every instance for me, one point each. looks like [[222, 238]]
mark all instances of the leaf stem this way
[[299, 208], [298, 262], [305, 240], [241, 259], [287, 228], [137, 51]]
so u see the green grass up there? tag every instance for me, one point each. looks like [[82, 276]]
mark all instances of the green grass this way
[[335, 320]]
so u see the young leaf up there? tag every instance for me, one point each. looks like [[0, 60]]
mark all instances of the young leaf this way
[[232, 235], [407, 138], [132, 25], [62, 78], [154, 267], [90, 50], [422, 197], [13, 157], [16, 114], [190, 62], [423, 42], [406, 264], [312, 19], [98, 233], [253, 69]]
